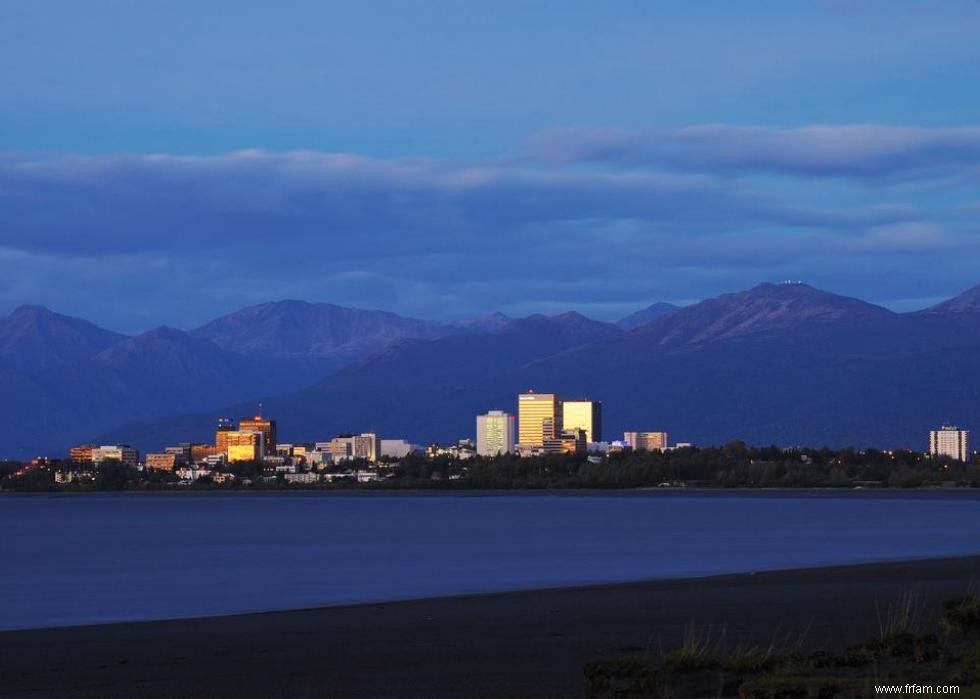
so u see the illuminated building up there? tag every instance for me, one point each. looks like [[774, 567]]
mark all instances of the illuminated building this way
[[81, 454], [265, 426], [646, 441], [363, 446], [367, 446], [116, 452], [200, 452], [583, 415], [950, 441], [494, 433], [245, 445], [161, 462], [538, 418], [181, 451], [568, 442], [395, 448], [221, 435]]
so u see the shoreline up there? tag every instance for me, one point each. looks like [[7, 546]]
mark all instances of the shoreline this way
[[361, 490], [610, 587], [519, 643]]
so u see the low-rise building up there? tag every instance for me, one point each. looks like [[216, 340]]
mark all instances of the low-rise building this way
[[161, 462], [646, 441], [192, 473], [396, 448], [568, 442], [81, 454], [116, 452]]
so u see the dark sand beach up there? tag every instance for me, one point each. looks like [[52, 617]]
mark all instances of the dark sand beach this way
[[512, 644]]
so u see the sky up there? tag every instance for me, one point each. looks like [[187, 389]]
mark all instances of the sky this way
[[169, 162]]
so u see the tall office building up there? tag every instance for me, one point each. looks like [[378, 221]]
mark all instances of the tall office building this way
[[646, 441], [265, 426], [367, 446], [245, 445], [950, 440], [494, 433], [221, 435], [583, 415], [538, 418]]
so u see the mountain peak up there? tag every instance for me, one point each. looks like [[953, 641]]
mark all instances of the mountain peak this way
[[967, 302], [763, 308], [30, 309], [33, 337]]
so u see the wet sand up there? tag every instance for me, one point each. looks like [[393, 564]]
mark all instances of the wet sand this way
[[510, 644]]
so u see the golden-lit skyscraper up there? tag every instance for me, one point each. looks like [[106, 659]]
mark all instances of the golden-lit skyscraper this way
[[245, 445], [583, 415], [538, 418], [265, 426], [221, 435]]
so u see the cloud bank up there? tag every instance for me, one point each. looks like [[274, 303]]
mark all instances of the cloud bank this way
[[600, 221], [857, 150]]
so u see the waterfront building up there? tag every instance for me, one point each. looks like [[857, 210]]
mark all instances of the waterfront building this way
[[201, 452], [265, 426], [396, 448], [568, 442], [116, 452], [182, 451], [348, 446], [81, 454], [495, 433], [583, 415], [161, 462], [538, 418], [951, 441], [646, 441], [221, 435], [367, 446], [245, 445]]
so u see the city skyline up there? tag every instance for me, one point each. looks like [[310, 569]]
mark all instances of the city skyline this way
[[512, 348]]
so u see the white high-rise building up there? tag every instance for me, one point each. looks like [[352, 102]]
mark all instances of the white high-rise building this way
[[950, 440], [495, 433]]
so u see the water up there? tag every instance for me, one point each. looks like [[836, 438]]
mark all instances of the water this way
[[102, 558]]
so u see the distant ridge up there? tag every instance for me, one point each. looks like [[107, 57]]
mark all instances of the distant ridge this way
[[325, 331], [646, 315]]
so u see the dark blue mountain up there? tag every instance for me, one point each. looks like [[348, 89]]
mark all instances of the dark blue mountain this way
[[778, 363], [333, 335], [646, 315]]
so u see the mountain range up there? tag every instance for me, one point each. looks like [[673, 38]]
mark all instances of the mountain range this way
[[786, 363]]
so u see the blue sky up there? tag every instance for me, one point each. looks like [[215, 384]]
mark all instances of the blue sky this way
[[165, 162]]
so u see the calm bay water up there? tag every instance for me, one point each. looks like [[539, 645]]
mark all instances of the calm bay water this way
[[103, 558]]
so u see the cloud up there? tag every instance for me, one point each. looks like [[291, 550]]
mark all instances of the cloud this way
[[856, 150], [180, 239]]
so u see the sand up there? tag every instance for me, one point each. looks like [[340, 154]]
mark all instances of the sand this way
[[499, 645]]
